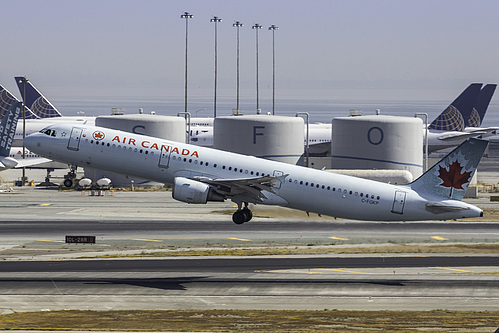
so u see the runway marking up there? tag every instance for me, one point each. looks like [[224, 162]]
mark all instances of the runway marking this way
[[339, 238], [146, 240], [45, 204], [439, 238], [452, 269], [240, 239], [343, 270]]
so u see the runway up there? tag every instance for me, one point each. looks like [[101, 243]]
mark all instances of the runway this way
[[39, 272], [307, 283]]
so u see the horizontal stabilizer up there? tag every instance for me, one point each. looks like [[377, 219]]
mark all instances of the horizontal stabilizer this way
[[460, 135], [439, 207]]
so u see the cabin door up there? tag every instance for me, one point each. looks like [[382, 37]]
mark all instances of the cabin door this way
[[74, 138], [164, 157], [399, 202]]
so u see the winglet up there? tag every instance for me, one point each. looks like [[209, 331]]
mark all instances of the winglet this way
[[37, 103], [452, 118], [450, 177], [8, 128]]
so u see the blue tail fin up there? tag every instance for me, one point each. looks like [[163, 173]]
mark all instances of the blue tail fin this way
[[37, 103], [7, 99], [450, 177], [452, 118], [8, 128], [481, 105]]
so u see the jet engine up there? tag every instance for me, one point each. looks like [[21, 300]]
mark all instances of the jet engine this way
[[191, 191]]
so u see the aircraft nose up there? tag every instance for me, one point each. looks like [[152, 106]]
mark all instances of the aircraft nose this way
[[31, 141]]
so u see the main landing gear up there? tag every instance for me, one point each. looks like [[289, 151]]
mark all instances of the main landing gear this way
[[242, 215]]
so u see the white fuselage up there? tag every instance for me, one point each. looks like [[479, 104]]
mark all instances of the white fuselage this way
[[302, 188]]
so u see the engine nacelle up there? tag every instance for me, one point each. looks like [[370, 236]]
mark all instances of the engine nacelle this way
[[191, 191]]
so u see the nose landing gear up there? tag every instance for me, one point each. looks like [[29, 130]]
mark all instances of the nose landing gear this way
[[242, 215], [70, 176]]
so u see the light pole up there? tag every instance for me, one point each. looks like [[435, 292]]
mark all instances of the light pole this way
[[257, 27], [186, 16], [273, 28], [215, 20], [24, 80], [237, 25]]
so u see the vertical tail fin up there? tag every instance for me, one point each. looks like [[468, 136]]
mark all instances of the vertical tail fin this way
[[7, 99], [8, 128], [450, 177], [452, 118], [37, 103], [481, 105]]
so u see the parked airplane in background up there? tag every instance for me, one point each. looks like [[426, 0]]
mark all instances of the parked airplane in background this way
[[448, 129], [475, 120], [200, 174], [11, 157], [35, 101], [6, 101], [7, 130]]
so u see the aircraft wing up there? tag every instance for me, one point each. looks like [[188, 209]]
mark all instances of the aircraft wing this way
[[31, 161], [249, 187], [460, 135]]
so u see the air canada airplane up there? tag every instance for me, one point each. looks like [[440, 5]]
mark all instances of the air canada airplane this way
[[200, 174]]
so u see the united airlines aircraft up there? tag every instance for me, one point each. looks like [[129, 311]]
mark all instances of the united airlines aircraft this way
[[200, 174]]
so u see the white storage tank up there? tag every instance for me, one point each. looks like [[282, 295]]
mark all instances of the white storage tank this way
[[377, 142], [275, 138], [164, 127]]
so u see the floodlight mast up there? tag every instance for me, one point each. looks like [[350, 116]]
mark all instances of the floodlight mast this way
[[237, 25], [186, 16], [273, 28], [215, 20], [257, 27], [24, 81]]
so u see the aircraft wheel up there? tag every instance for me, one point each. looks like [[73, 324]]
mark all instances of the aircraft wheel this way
[[248, 215], [68, 183], [241, 216], [238, 217]]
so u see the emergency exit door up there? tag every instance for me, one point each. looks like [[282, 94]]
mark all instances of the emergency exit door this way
[[399, 202]]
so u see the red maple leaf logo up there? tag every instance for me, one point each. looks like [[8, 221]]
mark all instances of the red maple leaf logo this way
[[453, 178], [98, 135]]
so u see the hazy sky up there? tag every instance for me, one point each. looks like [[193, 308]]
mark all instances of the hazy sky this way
[[372, 49]]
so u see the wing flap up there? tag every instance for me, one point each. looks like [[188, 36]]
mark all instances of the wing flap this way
[[251, 188]]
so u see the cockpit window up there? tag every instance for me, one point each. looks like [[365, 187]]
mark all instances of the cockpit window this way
[[48, 131]]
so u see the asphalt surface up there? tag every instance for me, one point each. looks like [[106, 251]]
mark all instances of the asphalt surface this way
[[39, 272]]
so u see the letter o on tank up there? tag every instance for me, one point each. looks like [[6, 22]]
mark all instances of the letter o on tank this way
[[375, 135]]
